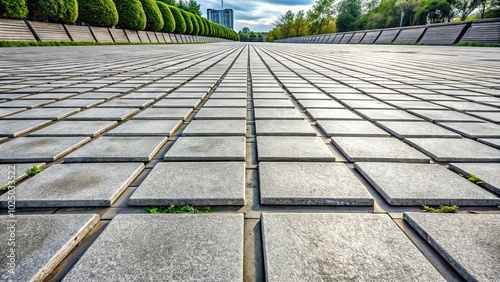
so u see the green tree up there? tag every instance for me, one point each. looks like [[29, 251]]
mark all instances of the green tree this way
[[13, 9], [465, 7], [196, 27], [168, 18], [201, 25], [190, 5], [434, 12], [285, 23], [131, 15], [154, 18], [187, 19], [58, 11], [408, 9], [320, 15], [98, 12], [300, 22], [348, 12], [180, 23]]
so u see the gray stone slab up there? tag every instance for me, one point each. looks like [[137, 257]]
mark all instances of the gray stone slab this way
[[186, 95], [456, 150], [192, 183], [489, 172], [15, 172], [146, 128], [14, 128], [221, 113], [362, 104], [408, 129], [38, 149], [303, 183], [277, 113], [388, 115], [215, 128], [228, 95], [75, 103], [202, 247], [340, 247], [207, 149], [44, 113], [276, 127], [408, 105], [10, 111], [269, 95], [143, 95], [165, 114], [360, 128], [333, 114], [104, 114], [226, 103], [423, 184], [127, 103], [273, 103], [177, 103], [41, 243], [491, 142], [74, 128], [118, 149], [293, 148], [489, 116], [467, 106], [24, 103], [76, 185], [378, 149], [474, 130], [469, 242], [321, 104], [98, 95], [443, 116]]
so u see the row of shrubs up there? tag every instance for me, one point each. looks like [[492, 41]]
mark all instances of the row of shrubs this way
[[129, 14]]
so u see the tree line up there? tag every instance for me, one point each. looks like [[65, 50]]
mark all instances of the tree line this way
[[182, 17], [328, 16]]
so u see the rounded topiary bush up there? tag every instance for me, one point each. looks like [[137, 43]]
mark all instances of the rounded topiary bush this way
[[189, 23], [131, 15], [98, 12], [154, 18], [200, 25], [180, 24], [207, 26], [13, 9], [168, 17], [196, 26], [59, 11]]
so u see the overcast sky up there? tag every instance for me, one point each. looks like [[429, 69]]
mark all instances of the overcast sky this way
[[258, 15]]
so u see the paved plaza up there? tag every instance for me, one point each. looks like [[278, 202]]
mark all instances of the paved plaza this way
[[316, 160]]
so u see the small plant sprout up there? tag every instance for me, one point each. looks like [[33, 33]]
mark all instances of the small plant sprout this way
[[474, 179], [441, 209], [34, 171], [4, 188], [176, 209]]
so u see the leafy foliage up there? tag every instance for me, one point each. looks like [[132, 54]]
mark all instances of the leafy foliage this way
[[349, 11], [180, 23], [13, 9], [168, 17], [196, 26], [33, 171], [441, 209], [98, 12], [154, 18], [474, 179], [131, 14], [189, 23], [58, 11], [177, 209], [201, 25]]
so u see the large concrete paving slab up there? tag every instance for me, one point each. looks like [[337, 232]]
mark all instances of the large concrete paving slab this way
[[15, 172], [469, 242], [360, 128], [40, 243], [388, 115], [488, 172], [10, 111], [456, 150], [177, 103], [305, 183], [277, 127], [146, 128], [44, 113], [14, 128], [207, 247], [224, 127], [333, 114], [75, 103], [490, 142], [38, 149], [192, 183], [165, 113], [277, 113], [444, 116], [340, 247], [118, 149], [104, 114], [474, 130], [423, 184], [292, 149], [409, 129], [72, 128], [207, 149], [226, 103], [221, 113], [378, 149], [75, 185], [127, 103]]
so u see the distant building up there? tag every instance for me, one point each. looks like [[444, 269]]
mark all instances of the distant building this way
[[222, 17]]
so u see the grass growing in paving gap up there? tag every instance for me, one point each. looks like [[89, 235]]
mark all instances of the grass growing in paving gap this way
[[61, 43], [441, 209], [178, 209]]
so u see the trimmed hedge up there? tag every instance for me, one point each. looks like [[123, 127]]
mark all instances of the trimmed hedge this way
[[180, 24], [59, 11], [189, 23], [196, 27], [13, 9], [168, 17], [201, 25], [154, 18], [131, 15], [98, 12]]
